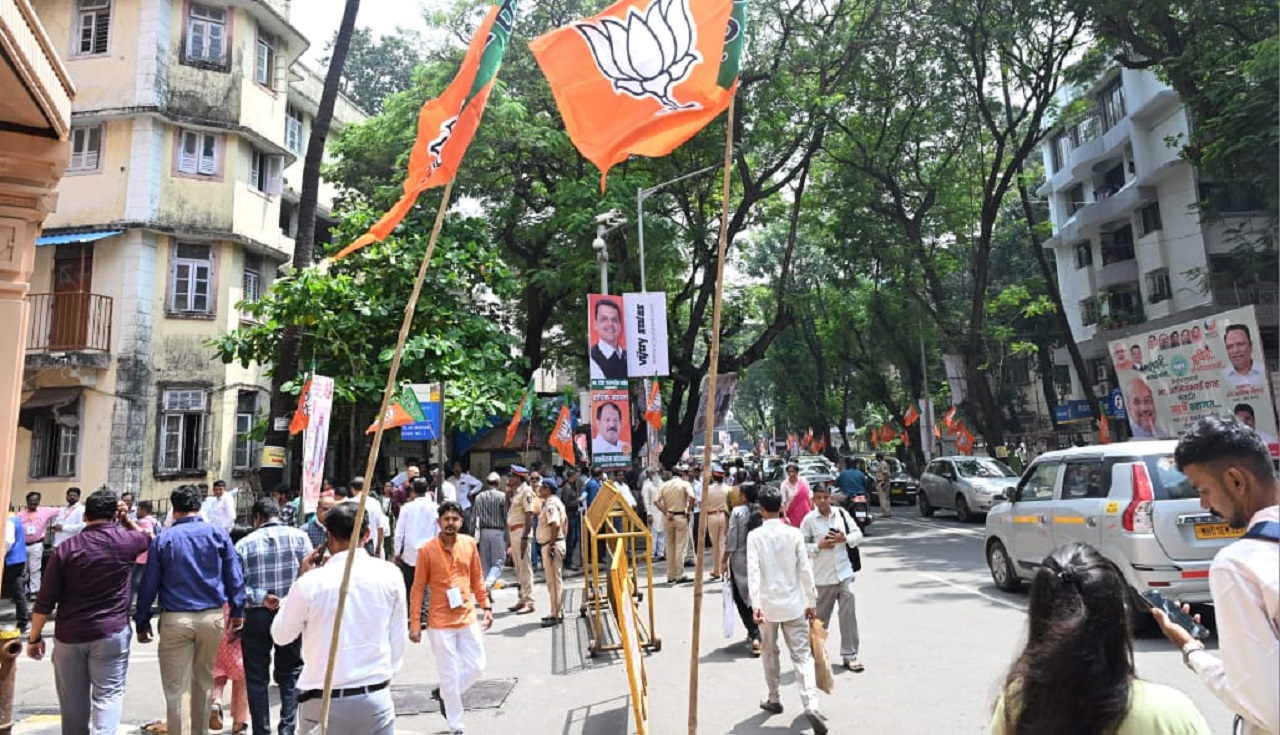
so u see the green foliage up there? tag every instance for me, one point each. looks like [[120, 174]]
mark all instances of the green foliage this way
[[378, 68]]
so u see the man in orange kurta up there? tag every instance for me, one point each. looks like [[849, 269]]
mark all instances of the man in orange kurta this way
[[449, 565]]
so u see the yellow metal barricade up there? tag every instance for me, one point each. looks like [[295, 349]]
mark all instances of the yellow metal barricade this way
[[610, 523]]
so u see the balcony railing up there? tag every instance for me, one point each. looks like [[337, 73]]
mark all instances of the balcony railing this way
[[69, 322], [1262, 294]]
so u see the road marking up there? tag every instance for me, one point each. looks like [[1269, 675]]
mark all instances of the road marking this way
[[942, 529], [971, 591]]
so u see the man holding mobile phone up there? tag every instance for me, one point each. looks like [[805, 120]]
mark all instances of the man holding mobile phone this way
[[1231, 468], [829, 533]]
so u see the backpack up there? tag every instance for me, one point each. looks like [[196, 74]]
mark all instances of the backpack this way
[[754, 519]]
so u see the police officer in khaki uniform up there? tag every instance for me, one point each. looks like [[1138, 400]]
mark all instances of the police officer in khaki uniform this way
[[715, 511], [520, 515], [675, 500], [551, 535]]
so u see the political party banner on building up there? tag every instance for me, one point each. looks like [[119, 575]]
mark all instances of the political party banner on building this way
[[1176, 375], [315, 438], [646, 329], [726, 386], [611, 427], [607, 334]]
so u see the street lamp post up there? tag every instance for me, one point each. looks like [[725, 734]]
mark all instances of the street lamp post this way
[[643, 194], [606, 223]]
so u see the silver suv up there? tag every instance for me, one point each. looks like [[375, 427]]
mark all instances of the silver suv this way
[[967, 485], [1127, 500]]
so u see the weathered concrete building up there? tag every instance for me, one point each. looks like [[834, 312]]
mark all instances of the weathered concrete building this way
[[178, 203]]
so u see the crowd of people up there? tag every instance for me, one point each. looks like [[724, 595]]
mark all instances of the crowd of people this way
[[245, 605]]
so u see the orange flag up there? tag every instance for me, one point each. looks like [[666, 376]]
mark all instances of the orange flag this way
[[562, 436], [912, 416], [906, 438], [653, 407], [300, 416], [447, 123], [526, 404], [949, 418], [1104, 431], [643, 76], [886, 434], [964, 441]]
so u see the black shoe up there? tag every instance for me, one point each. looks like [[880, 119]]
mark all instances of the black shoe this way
[[774, 708], [435, 694], [818, 721]]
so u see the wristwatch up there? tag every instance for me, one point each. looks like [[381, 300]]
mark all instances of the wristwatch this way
[[1189, 649]]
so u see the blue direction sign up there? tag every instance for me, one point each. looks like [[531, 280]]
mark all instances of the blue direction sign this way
[[1116, 403], [431, 398]]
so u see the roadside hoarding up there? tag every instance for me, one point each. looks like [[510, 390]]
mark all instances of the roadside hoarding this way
[[646, 330], [607, 338], [315, 439], [611, 427], [1176, 375]]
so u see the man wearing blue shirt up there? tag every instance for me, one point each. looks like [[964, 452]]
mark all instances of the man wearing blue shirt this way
[[15, 571], [194, 569], [851, 480]]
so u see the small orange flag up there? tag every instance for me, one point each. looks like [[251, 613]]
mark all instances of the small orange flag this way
[[906, 438], [653, 407], [562, 436], [964, 441], [1104, 431], [949, 419], [643, 76], [526, 406], [447, 123], [911, 417], [301, 417]]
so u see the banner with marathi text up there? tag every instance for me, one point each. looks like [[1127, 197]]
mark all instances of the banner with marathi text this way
[[1173, 376], [315, 439]]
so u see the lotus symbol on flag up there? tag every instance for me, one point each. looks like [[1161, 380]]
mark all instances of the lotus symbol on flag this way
[[649, 54]]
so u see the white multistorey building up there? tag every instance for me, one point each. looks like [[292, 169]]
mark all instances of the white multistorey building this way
[[1132, 249], [179, 202]]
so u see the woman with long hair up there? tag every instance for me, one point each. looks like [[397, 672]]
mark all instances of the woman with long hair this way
[[1075, 676]]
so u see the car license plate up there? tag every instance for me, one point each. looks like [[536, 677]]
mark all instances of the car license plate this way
[[898, 491], [1217, 530], [860, 515]]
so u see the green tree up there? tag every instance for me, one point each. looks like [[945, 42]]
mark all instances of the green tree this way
[[377, 68]]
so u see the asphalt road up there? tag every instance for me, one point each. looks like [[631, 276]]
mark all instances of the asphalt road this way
[[937, 638]]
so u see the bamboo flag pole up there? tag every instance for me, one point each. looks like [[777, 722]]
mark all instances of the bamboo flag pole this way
[[387, 392], [700, 543]]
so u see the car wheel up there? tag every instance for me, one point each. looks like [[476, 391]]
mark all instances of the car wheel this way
[[926, 510], [962, 510], [1002, 572]]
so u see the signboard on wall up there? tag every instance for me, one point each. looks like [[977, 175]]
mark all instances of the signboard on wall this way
[[1174, 376], [646, 328], [611, 427]]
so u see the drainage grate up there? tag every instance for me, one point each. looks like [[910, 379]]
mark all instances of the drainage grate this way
[[484, 694]]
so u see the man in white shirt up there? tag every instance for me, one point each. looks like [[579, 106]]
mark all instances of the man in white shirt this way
[[220, 507], [1231, 468], [649, 493], [1243, 370], [372, 641], [70, 518], [781, 587], [468, 487], [608, 439], [419, 523], [379, 523], [828, 533]]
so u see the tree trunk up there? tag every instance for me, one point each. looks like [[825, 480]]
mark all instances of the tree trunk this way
[[285, 368], [1077, 360]]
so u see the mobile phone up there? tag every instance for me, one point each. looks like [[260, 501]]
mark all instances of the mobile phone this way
[[1154, 598]]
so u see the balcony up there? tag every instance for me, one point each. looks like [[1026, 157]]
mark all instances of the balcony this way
[[69, 328], [1122, 318], [1118, 205], [1266, 296], [1117, 273]]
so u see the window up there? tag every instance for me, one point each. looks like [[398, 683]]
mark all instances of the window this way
[[1088, 311], [183, 413], [289, 219], [189, 283], [207, 34], [1039, 482], [93, 27], [1117, 246], [198, 153], [55, 441], [1084, 254], [1225, 199], [1149, 219], [264, 66], [86, 148], [293, 130], [1018, 372], [1158, 286], [266, 173], [252, 281], [1075, 199], [246, 417], [1061, 148], [1085, 479], [1111, 100]]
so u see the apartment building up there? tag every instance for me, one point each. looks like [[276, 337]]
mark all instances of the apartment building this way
[[1133, 251], [179, 202]]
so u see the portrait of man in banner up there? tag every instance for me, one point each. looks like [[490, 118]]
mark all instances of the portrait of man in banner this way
[[1142, 411], [1244, 370], [611, 429], [608, 355]]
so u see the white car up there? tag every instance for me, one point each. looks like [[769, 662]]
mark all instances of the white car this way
[[967, 485], [1127, 500]]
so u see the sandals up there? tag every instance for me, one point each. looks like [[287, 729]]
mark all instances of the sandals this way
[[215, 717]]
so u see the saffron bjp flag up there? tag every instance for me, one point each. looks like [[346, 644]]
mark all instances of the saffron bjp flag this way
[[562, 436], [447, 123], [404, 409], [949, 419], [965, 440], [911, 416], [526, 406], [643, 76], [653, 407], [302, 415]]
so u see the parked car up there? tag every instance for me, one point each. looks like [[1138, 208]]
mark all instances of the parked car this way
[[1127, 500], [967, 485], [902, 486], [811, 474]]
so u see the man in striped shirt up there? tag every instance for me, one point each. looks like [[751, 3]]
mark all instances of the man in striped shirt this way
[[270, 557], [489, 515]]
